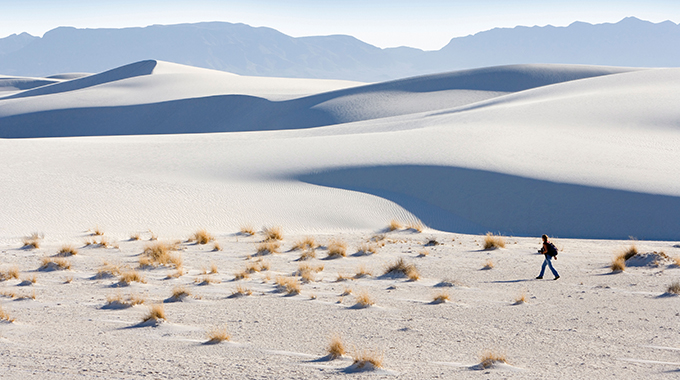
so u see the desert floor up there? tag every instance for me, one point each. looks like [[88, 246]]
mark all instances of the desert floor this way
[[591, 323]]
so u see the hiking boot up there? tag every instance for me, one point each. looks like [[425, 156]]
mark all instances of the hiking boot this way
[[539, 277], [556, 277]]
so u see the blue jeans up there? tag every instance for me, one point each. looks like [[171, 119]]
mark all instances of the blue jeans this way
[[547, 262]]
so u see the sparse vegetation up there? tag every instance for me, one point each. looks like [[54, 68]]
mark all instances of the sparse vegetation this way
[[441, 297], [179, 293], [674, 288], [206, 280], [217, 335], [492, 241], [431, 242], [401, 267], [116, 301], [156, 314], [4, 316], [33, 241], [54, 263], [108, 270], [306, 243], [364, 299], [241, 291], [217, 247], [341, 277], [307, 254], [97, 231], [367, 360], [415, 226], [489, 358], [272, 233], [488, 264], [12, 272], [268, 247], [521, 299], [242, 275], [160, 253], [67, 250], [134, 237], [336, 347], [130, 276], [247, 230], [201, 237], [367, 249], [618, 264], [290, 285], [423, 253], [362, 271], [337, 248], [394, 225]]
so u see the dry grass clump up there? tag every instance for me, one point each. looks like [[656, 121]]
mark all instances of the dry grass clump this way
[[268, 248], [401, 267], [33, 241], [306, 272], [336, 347], [367, 360], [126, 278], [676, 260], [12, 272], [67, 250], [394, 225], [156, 314], [441, 297], [367, 249], [488, 264], [307, 254], [206, 280], [29, 280], [4, 316], [272, 233], [257, 266], [488, 358], [431, 242], [134, 237], [102, 243], [241, 291], [179, 293], [242, 275], [217, 335], [217, 247], [159, 253], [337, 248], [30, 296], [290, 285], [54, 263], [362, 271], [492, 241], [618, 264], [306, 243], [521, 299], [415, 226], [423, 253], [117, 301], [108, 270], [97, 231], [247, 230], [341, 277], [364, 299], [674, 288], [201, 237]]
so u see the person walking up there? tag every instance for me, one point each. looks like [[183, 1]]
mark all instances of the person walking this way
[[550, 252]]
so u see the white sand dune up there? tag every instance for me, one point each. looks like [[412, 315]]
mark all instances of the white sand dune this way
[[573, 151]]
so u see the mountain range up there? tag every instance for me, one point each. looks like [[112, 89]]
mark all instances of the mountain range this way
[[261, 51]]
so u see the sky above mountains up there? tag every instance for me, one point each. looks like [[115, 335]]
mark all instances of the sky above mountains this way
[[428, 24]]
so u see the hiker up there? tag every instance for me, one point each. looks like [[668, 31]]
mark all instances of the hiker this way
[[550, 252]]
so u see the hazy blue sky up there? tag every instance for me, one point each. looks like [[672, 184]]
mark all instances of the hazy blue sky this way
[[426, 24]]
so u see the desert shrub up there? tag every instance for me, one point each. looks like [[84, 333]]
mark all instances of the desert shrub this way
[[290, 285], [618, 264], [489, 358], [117, 301], [33, 241], [108, 270], [394, 225], [306, 243], [67, 250], [201, 237], [401, 267], [268, 247], [492, 241], [272, 233], [242, 275], [12, 272], [156, 313], [367, 360], [307, 254], [674, 288], [441, 297], [336, 347], [337, 248], [160, 254], [134, 237], [130, 276], [362, 271], [217, 335], [179, 293], [54, 263], [364, 299], [241, 291]]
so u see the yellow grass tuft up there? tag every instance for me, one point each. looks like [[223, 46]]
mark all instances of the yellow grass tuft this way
[[206, 280], [306, 272], [521, 299], [97, 231], [67, 250], [30, 279], [492, 241], [202, 237], [126, 278], [247, 230], [488, 358], [33, 241], [306, 243], [242, 275], [117, 301], [54, 263], [362, 271], [290, 285], [156, 313], [401, 267], [337, 248], [307, 254], [213, 268], [394, 225], [180, 292], [134, 237], [488, 264], [217, 335], [12, 272], [441, 297], [364, 299], [272, 233], [336, 347], [416, 226], [366, 359], [341, 277], [68, 280], [674, 288], [618, 264], [108, 270], [241, 291], [4, 316], [159, 253], [367, 249], [217, 247], [268, 247]]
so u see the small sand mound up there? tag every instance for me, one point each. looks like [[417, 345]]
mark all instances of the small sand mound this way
[[649, 259]]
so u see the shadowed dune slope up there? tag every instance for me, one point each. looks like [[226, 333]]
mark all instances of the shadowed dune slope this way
[[231, 112]]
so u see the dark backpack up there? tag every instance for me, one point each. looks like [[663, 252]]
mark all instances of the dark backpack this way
[[552, 250]]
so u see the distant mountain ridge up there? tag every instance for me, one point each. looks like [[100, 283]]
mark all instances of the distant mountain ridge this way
[[245, 50]]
